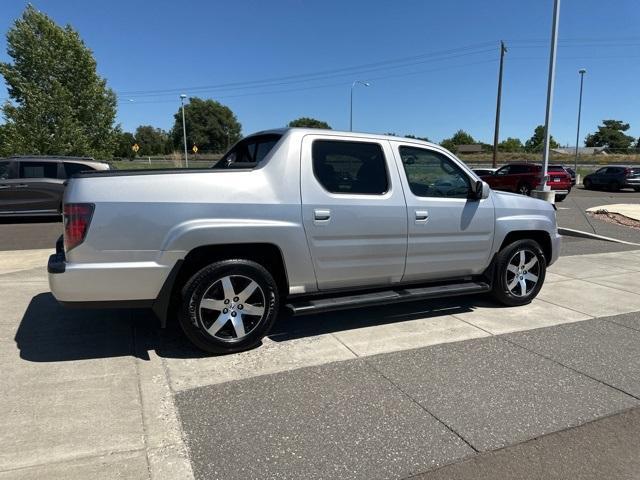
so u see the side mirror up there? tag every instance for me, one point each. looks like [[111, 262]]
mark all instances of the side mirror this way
[[475, 192]]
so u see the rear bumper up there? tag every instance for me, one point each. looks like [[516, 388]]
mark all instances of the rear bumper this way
[[104, 284]]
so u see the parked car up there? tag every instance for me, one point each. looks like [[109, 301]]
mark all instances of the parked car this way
[[34, 185], [614, 177], [484, 171], [524, 177], [311, 219]]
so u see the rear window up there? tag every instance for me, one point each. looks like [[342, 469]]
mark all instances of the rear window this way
[[38, 170], [248, 153], [350, 167], [71, 169], [555, 168]]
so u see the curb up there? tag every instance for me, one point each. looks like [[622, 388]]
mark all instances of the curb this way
[[569, 232]]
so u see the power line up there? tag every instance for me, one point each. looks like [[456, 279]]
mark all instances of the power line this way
[[323, 73]]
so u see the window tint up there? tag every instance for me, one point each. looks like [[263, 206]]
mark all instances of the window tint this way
[[515, 169], [506, 170], [249, 152], [431, 174], [72, 168], [601, 171], [4, 170], [38, 170], [350, 167]]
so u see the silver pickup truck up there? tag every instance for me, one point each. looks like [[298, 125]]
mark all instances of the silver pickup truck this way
[[311, 220]]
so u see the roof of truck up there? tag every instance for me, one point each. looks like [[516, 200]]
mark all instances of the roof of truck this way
[[343, 133]]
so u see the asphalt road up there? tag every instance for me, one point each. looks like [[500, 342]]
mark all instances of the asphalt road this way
[[27, 233]]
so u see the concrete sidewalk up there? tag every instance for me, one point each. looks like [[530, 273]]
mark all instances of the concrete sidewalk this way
[[106, 394]]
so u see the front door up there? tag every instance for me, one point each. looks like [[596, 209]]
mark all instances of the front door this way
[[450, 235], [353, 210]]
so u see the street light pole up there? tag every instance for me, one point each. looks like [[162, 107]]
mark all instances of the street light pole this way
[[582, 71], [366, 84], [184, 131], [503, 49], [552, 76]]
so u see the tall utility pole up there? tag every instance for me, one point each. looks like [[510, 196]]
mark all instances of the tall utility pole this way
[[184, 131], [496, 133], [552, 76], [582, 71]]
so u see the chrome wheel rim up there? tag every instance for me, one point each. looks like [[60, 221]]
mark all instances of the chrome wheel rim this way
[[523, 271], [232, 307], [524, 190]]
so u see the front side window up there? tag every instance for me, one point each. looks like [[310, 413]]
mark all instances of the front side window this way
[[248, 153], [4, 170], [504, 170], [350, 167], [38, 170], [432, 174]]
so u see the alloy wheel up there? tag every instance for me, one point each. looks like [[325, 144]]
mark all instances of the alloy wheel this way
[[522, 273], [232, 307]]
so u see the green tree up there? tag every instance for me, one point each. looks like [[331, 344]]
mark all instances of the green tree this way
[[417, 138], [611, 135], [536, 142], [510, 145], [123, 143], [152, 141], [58, 104], [459, 138], [211, 126], [308, 122]]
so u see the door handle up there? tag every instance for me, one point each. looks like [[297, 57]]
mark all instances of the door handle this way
[[422, 216], [22, 185], [3, 187], [322, 215]]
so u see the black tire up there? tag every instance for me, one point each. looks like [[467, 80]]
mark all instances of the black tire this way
[[524, 189], [210, 284], [614, 186], [560, 198], [587, 184], [637, 189], [503, 276]]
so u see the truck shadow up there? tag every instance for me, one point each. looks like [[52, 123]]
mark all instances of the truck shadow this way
[[49, 332]]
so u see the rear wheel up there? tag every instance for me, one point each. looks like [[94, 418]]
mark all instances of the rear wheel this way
[[637, 189], [229, 306], [524, 189], [614, 186], [519, 273]]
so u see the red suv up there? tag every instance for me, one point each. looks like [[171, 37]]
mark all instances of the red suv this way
[[524, 177]]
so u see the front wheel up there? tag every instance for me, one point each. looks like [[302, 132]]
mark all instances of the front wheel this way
[[587, 184], [229, 306], [519, 273], [524, 189], [560, 198]]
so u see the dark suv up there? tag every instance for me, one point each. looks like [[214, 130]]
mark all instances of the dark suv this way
[[34, 185], [614, 177]]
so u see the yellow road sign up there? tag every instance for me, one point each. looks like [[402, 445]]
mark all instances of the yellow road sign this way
[[195, 149], [135, 147]]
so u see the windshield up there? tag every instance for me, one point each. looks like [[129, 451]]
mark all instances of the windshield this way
[[249, 152]]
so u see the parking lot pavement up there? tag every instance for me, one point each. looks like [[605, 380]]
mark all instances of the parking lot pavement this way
[[376, 393], [572, 214]]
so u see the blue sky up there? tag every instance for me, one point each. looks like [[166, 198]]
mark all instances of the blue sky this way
[[446, 82]]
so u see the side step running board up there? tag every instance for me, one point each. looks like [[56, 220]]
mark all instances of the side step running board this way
[[316, 305]]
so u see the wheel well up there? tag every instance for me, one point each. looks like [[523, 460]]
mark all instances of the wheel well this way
[[539, 236], [266, 254]]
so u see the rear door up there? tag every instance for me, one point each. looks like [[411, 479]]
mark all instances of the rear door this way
[[450, 235], [39, 187], [353, 211]]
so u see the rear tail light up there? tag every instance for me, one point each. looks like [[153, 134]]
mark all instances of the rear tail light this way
[[77, 217]]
